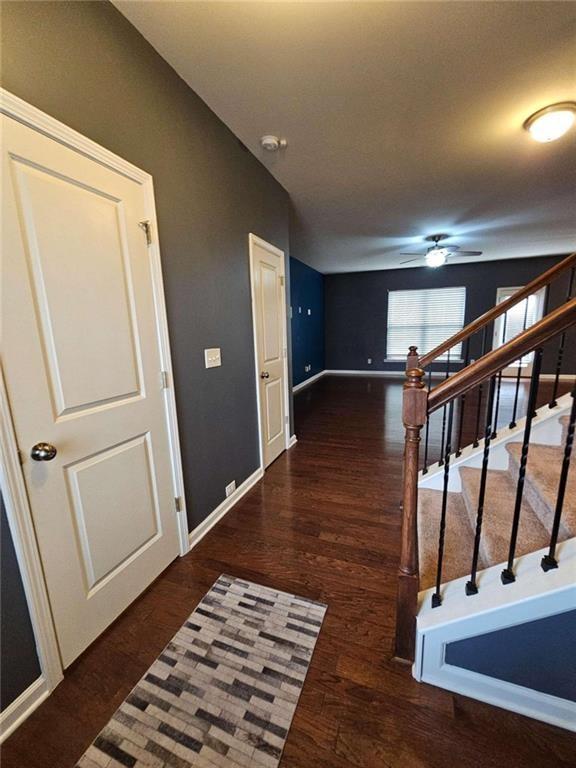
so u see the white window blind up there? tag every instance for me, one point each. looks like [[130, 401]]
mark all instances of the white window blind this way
[[424, 318]]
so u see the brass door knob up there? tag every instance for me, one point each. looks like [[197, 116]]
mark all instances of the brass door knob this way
[[43, 452]]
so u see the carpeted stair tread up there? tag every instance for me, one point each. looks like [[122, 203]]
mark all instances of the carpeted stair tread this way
[[541, 484], [498, 515], [459, 541]]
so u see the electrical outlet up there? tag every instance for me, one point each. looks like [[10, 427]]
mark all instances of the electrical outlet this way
[[369, 361], [230, 488]]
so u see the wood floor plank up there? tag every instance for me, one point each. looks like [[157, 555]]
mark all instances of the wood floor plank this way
[[324, 523]]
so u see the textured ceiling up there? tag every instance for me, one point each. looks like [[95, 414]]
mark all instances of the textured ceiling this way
[[403, 119]]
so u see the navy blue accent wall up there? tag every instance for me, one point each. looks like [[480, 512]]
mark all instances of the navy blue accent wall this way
[[357, 306], [538, 654], [18, 657], [306, 296]]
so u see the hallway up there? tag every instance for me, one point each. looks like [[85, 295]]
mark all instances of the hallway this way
[[323, 523]]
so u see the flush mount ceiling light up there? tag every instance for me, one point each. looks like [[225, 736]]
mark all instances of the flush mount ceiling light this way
[[552, 122], [272, 143], [436, 257]]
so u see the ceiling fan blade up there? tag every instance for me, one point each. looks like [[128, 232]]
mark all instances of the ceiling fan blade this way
[[468, 253], [412, 253], [409, 260]]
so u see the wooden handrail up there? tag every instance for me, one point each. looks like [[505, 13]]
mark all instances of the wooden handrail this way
[[554, 323], [540, 282]]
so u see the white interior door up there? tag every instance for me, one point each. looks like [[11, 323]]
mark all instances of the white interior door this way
[[82, 365], [517, 319], [269, 309]]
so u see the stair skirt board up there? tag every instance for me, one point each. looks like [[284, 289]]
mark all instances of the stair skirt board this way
[[534, 595], [499, 693], [224, 690]]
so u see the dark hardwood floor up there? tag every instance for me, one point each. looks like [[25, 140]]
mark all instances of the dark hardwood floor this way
[[323, 523]]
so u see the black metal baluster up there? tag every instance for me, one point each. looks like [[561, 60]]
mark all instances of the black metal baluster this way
[[507, 575], [549, 561], [495, 422], [436, 599], [441, 460], [553, 402], [462, 402], [471, 586], [518, 374], [427, 434], [480, 392]]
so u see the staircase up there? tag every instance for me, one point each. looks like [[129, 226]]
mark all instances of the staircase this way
[[536, 516], [488, 549]]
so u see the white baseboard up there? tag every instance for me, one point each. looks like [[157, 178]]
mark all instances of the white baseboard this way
[[552, 376], [391, 374], [22, 707], [202, 529], [499, 693], [401, 375], [292, 442], [307, 382]]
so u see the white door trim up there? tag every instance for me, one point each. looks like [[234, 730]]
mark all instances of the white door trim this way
[[18, 511], [34, 118], [22, 530], [252, 241]]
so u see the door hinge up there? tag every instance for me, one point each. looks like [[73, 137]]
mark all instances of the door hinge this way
[[178, 505], [282, 280], [164, 379], [146, 226], [20, 457]]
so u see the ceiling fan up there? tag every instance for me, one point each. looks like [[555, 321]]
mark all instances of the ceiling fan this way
[[436, 255]]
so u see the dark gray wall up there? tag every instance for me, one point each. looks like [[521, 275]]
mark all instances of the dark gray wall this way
[[357, 306], [19, 660], [83, 63], [537, 654]]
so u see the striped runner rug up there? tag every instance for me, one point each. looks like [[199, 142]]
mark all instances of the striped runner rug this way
[[223, 692]]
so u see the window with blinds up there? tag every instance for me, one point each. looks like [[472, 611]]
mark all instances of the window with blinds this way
[[424, 318]]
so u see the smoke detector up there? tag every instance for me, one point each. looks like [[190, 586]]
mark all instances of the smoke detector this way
[[272, 143]]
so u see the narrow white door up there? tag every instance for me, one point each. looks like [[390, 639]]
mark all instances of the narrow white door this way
[[267, 268], [82, 366]]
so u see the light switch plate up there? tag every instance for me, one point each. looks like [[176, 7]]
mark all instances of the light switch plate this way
[[212, 357]]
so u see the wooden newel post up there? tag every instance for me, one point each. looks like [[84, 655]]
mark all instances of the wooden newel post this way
[[412, 359], [414, 411]]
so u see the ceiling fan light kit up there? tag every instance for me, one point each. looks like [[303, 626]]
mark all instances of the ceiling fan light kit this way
[[437, 255]]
